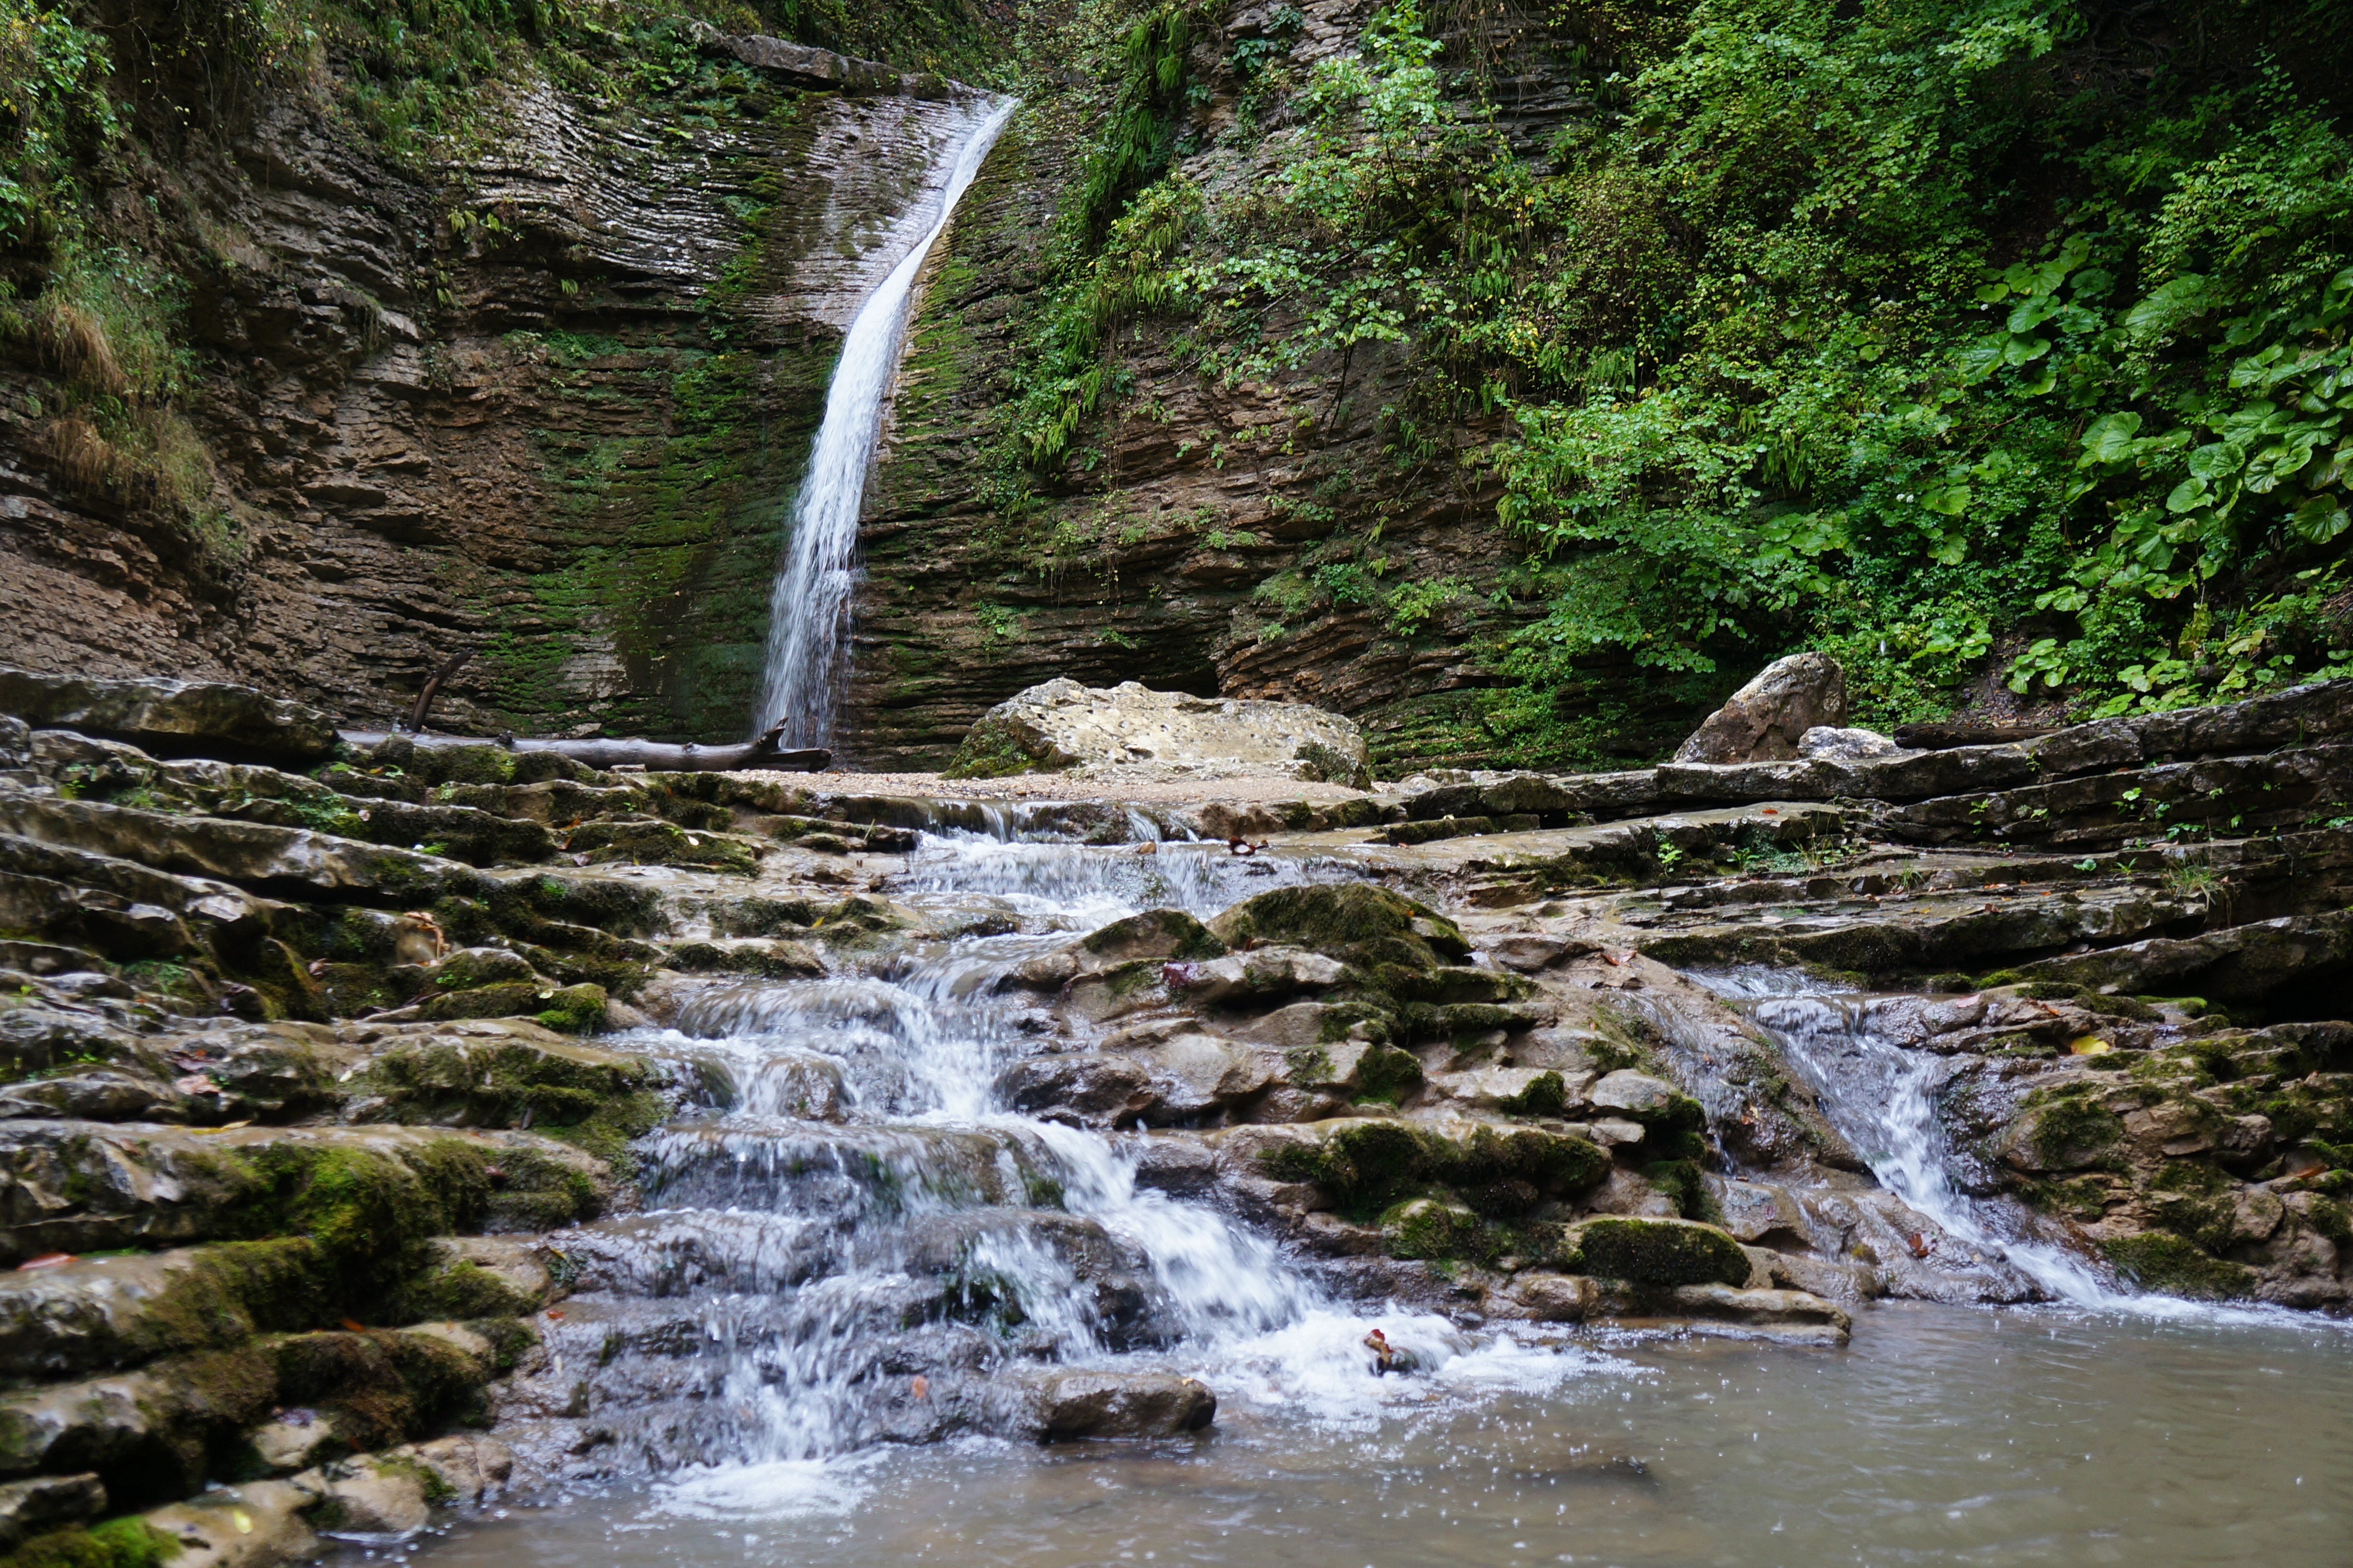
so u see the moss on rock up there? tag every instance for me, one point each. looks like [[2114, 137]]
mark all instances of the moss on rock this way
[[2172, 1266], [1661, 1253], [1154, 933], [1353, 921], [127, 1542]]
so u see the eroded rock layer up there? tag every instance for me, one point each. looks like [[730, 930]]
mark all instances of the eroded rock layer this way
[[337, 1123]]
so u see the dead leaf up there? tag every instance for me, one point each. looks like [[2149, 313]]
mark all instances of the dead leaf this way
[[922, 1386], [354, 1325], [195, 1083], [46, 1261]]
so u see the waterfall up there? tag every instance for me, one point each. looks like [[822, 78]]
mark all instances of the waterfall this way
[[808, 609], [1883, 1097]]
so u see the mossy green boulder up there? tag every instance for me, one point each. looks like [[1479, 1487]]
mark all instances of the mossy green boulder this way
[[1661, 1253]]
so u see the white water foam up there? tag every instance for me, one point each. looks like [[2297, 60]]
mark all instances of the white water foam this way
[[1882, 1097]]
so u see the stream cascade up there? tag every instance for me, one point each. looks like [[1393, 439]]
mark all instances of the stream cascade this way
[[461, 1153]]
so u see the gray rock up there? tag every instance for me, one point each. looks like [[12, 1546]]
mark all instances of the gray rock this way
[[2236, 964], [1637, 1094], [1821, 1277], [1501, 1088], [257, 1525], [1790, 1316], [82, 1186], [1057, 1406], [295, 1442], [1555, 1298], [1175, 1165], [1766, 719], [189, 717], [1269, 971], [1753, 1209], [1096, 1090], [1528, 955], [1845, 745], [45, 1501], [1129, 731]]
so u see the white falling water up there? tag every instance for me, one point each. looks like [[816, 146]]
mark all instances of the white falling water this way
[[1883, 1097], [808, 609]]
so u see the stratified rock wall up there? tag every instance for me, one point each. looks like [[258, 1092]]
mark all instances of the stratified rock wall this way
[[1184, 544], [557, 418]]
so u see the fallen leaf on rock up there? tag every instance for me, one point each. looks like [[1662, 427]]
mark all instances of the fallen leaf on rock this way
[[46, 1261], [224, 1127], [922, 1386], [195, 1083], [2089, 1045]]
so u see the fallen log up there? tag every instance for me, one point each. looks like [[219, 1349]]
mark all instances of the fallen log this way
[[654, 756]]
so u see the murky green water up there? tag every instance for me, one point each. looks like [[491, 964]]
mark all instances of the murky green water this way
[[1941, 1435]]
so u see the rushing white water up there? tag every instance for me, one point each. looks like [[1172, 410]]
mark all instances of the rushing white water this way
[[854, 1155], [1883, 1097], [808, 609]]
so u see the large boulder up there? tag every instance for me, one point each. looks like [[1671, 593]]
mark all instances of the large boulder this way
[[1063, 726], [173, 717], [1767, 719]]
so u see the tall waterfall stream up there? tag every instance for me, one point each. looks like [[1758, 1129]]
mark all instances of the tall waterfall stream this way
[[737, 1347], [809, 609]]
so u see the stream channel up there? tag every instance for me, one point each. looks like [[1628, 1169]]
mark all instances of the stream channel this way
[[736, 1343]]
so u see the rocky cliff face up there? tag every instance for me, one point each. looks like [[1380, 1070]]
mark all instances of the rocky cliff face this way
[[549, 403], [1209, 533]]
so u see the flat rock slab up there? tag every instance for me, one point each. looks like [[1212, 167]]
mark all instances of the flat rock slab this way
[[85, 1186], [199, 718]]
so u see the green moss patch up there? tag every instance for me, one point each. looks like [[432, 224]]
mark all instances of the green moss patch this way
[[1343, 921], [129, 1542], [2171, 1266], [2071, 1128], [1545, 1095], [1367, 1165], [1661, 1253], [1154, 933]]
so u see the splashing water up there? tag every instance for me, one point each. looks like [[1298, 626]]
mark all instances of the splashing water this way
[[1883, 1099], [810, 607]]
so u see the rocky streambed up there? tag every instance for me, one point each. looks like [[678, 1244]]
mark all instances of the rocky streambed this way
[[387, 1126]]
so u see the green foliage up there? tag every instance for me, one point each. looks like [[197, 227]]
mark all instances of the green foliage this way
[[1955, 337], [53, 108]]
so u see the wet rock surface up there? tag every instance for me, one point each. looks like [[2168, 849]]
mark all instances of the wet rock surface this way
[[719, 1114]]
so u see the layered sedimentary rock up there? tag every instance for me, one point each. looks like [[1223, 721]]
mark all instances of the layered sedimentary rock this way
[[558, 421]]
